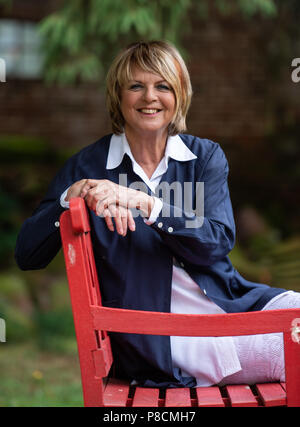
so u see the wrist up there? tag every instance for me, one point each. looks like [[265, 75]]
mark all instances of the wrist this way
[[150, 205], [63, 199], [145, 204]]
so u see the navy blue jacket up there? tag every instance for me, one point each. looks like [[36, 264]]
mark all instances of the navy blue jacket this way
[[136, 270]]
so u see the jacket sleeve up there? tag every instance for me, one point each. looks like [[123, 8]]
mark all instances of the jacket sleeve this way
[[206, 235], [39, 239]]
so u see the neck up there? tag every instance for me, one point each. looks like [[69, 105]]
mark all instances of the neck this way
[[148, 149]]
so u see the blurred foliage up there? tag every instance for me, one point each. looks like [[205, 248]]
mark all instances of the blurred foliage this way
[[267, 259], [34, 304], [82, 37], [55, 330], [14, 308], [36, 307], [23, 163], [6, 3], [8, 224], [270, 173]]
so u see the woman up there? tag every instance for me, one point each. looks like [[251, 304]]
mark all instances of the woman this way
[[160, 243]]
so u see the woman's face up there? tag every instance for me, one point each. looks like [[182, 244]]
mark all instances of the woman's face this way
[[147, 102]]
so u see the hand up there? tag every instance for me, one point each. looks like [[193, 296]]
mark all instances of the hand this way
[[123, 219], [99, 194], [76, 189], [111, 200]]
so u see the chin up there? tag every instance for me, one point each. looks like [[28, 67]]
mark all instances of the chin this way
[[152, 128]]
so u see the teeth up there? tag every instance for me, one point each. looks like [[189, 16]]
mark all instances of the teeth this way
[[148, 111]]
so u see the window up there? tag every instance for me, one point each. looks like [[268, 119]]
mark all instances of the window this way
[[20, 48]]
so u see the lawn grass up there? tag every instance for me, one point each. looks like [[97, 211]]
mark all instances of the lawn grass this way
[[34, 378]]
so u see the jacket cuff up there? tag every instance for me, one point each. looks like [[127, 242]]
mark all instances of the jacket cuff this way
[[158, 204], [63, 202], [173, 219]]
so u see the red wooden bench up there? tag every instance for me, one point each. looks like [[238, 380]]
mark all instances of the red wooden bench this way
[[93, 322]]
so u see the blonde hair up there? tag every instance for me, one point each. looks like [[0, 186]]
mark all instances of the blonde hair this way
[[157, 57]]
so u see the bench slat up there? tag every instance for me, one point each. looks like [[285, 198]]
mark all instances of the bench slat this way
[[178, 397], [271, 394], [116, 393], [145, 397], [241, 395], [158, 323], [209, 396]]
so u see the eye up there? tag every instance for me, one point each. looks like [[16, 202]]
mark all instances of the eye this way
[[163, 86], [135, 86]]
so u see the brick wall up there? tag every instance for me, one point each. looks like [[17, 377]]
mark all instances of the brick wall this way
[[63, 116], [238, 97], [231, 82]]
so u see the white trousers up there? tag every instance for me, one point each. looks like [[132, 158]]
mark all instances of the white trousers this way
[[262, 356]]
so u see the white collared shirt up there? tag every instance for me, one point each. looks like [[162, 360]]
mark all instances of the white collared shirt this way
[[207, 359], [175, 149]]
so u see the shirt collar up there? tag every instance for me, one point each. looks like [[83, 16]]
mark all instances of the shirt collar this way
[[175, 149]]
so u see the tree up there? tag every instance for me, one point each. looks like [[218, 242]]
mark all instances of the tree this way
[[81, 37]]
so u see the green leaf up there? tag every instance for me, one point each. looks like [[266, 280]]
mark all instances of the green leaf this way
[[82, 36]]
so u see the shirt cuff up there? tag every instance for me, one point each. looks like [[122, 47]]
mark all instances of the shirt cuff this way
[[158, 204], [63, 202]]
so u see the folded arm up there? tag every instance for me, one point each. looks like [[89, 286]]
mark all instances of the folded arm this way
[[204, 237]]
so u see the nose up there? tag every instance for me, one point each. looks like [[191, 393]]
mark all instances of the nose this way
[[149, 94]]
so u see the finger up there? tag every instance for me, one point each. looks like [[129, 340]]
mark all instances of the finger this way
[[115, 213], [97, 189], [95, 186], [83, 192], [91, 201], [108, 219], [124, 216], [75, 189], [87, 185], [130, 221], [96, 201], [127, 219], [104, 203], [119, 225]]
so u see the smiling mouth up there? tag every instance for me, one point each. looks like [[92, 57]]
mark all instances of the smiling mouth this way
[[149, 110]]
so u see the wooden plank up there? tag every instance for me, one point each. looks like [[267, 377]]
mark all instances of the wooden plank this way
[[174, 324], [283, 386], [209, 396], [103, 358], [178, 397], [79, 285], [241, 395], [292, 363], [79, 217], [145, 397], [271, 394], [116, 393]]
